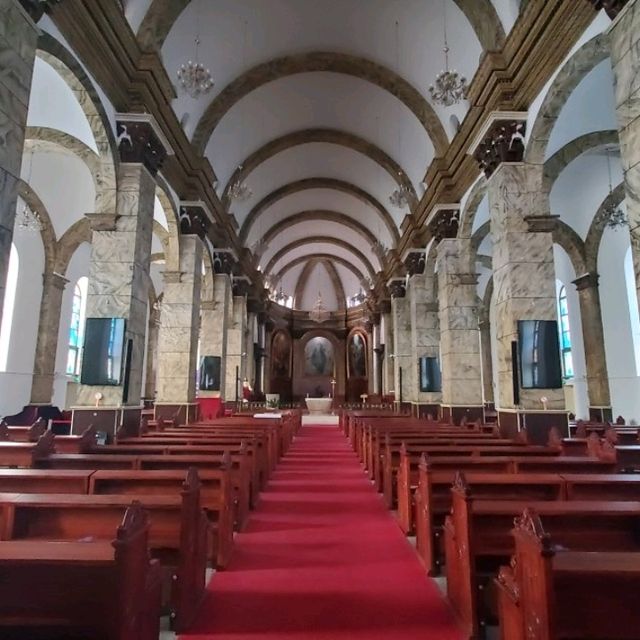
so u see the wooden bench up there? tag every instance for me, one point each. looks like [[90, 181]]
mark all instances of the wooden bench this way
[[44, 481], [26, 454], [178, 534], [99, 590], [478, 541], [548, 592], [23, 434]]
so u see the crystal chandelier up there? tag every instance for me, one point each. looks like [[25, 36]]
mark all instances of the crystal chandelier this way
[[611, 215], [400, 197], [379, 248], [318, 313], [259, 247], [193, 78], [239, 190], [28, 220], [449, 86]]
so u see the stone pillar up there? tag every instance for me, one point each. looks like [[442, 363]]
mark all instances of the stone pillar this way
[[594, 352], [18, 41], [153, 330], [119, 272], [459, 339], [251, 336], [487, 361], [625, 60], [403, 359], [178, 336], [44, 366], [425, 337], [236, 356], [387, 343]]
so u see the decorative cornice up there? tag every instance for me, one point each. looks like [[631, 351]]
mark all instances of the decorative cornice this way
[[397, 288], [36, 8], [102, 221], [223, 262], [611, 7], [541, 224], [501, 139], [194, 219], [415, 262], [587, 281], [138, 142]]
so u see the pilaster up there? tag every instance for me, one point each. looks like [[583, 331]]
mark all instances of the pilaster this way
[[403, 367], [236, 356]]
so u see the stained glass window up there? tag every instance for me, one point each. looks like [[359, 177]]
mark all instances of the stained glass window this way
[[565, 334]]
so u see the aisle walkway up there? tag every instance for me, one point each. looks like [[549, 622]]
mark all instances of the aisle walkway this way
[[322, 559]]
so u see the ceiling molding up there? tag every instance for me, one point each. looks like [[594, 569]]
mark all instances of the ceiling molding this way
[[303, 282], [318, 183], [328, 136], [324, 61], [336, 280], [319, 256], [338, 242], [322, 215]]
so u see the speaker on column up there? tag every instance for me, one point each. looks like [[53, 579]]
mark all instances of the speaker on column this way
[[514, 373]]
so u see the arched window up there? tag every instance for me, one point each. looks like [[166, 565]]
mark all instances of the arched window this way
[[76, 329], [565, 334], [9, 304]]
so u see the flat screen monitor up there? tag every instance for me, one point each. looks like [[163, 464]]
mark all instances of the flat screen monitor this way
[[209, 373], [429, 372], [539, 354], [103, 349]]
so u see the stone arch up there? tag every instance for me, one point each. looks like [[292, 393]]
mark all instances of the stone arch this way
[[320, 214], [468, 213], [162, 14], [564, 236], [562, 158], [324, 61], [320, 240], [596, 230], [74, 236], [326, 256], [568, 78], [318, 183], [47, 232], [329, 136], [480, 234], [303, 281], [172, 249]]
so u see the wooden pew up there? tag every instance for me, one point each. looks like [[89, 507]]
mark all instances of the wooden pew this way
[[478, 541], [215, 498], [76, 444], [99, 590], [550, 593], [44, 481], [178, 534], [23, 434], [26, 454], [88, 461]]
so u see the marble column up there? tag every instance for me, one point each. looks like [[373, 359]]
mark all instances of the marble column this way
[[403, 358], [153, 329], [236, 356], [251, 336], [386, 329], [18, 42], [523, 272], [425, 335], [625, 60], [44, 366], [594, 351], [487, 361], [179, 330], [215, 324], [459, 336]]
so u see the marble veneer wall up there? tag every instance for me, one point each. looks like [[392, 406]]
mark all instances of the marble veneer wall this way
[[402, 349], [625, 60], [459, 343], [119, 275], [235, 348], [179, 326], [18, 40], [425, 330], [523, 271]]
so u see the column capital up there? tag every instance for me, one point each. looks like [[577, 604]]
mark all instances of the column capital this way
[[223, 262], [415, 262], [443, 221], [541, 224], [397, 288], [53, 279], [611, 7], [195, 218], [102, 221], [587, 281], [172, 277], [36, 8], [501, 139], [141, 141]]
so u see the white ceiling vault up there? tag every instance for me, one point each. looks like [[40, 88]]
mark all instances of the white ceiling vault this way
[[326, 107]]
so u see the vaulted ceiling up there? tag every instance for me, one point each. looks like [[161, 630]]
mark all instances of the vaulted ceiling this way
[[323, 109]]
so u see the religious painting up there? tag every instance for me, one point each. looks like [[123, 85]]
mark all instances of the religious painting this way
[[281, 355], [318, 357], [357, 356]]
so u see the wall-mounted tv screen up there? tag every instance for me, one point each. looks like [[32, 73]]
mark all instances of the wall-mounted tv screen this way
[[539, 354], [429, 373], [103, 349], [210, 373]]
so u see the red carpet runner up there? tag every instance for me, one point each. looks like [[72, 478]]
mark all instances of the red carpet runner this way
[[322, 559]]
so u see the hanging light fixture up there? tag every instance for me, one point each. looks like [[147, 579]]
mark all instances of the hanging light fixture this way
[[611, 215], [319, 313], [400, 197], [449, 87], [193, 78], [239, 190], [28, 219]]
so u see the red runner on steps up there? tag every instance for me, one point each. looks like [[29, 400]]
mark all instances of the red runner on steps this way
[[322, 559]]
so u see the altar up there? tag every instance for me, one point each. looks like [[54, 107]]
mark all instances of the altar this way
[[319, 406]]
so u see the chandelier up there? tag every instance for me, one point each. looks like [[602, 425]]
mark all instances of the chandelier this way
[[280, 297], [259, 247], [28, 220], [193, 78], [239, 190], [611, 214], [449, 86], [379, 249], [401, 197], [318, 313]]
